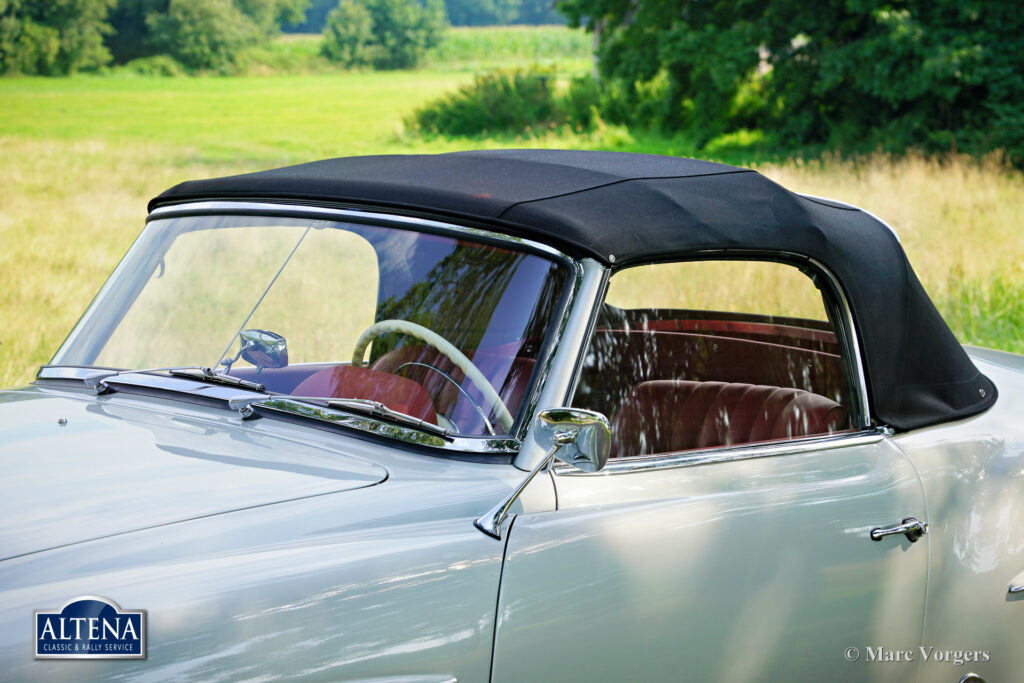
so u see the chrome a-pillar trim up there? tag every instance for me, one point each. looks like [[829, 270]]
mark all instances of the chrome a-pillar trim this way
[[559, 376], [648, 463]]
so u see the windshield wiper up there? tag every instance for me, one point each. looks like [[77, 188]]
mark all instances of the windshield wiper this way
[[196, 372], [208, 375], [243, 404]]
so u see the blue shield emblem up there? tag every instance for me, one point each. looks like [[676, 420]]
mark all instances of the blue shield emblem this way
[[90, 627]]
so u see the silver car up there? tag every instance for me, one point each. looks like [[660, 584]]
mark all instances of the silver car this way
[[526, 415]]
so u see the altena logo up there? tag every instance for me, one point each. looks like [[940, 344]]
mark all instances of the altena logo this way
[[90, 627]]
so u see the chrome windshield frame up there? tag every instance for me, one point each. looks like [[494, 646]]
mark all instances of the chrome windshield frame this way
[[553, 347]]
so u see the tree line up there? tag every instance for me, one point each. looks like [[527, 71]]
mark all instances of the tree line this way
[[460, 13], [939, 75], [58, 37], [851, 75]]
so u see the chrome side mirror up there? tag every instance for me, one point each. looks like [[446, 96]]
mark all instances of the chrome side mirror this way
[[262, 348], [581, 438]]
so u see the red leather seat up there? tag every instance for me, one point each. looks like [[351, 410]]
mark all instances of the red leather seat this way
[[346, 381], [663, 416]]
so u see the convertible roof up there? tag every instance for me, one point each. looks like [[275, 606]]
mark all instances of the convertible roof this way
[[624, 209]]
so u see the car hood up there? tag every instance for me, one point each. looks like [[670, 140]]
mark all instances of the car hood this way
[[76, 467]]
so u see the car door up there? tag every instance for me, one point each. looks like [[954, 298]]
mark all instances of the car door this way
[[710, 549]]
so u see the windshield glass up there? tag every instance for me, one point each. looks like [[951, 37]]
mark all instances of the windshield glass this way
[[444, 329]]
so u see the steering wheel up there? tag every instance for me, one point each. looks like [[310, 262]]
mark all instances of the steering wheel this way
[[446, 348]]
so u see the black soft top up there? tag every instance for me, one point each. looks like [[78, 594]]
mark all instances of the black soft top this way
[[624, 209]]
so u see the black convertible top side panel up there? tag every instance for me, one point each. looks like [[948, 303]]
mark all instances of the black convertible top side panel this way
[[625, 209]]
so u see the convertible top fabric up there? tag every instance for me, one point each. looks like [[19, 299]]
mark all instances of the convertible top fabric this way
[[624, 209]]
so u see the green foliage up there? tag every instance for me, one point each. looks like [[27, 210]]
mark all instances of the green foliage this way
[[269, 15], [348, 37], [934, 74], [502, 101], [384, 34], [53, 37], [314, 19], [157, 65], [460, 13], [987, 313], [130, 38], [582, 102], [201, 34]]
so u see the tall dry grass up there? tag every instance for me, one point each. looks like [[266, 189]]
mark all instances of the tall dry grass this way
[[69, 209], [960, 220]]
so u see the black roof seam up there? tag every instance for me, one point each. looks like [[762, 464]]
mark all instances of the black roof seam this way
[[617, 182]]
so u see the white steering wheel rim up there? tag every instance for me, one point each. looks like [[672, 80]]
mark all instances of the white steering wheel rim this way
[[445, 347]]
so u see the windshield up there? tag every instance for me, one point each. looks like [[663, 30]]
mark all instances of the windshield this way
[[444, 329]]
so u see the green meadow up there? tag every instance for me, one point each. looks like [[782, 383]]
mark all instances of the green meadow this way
[[81, 156]]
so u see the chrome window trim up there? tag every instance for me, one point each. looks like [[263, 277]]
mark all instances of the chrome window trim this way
[[706, 456], [504, 445], [855, 208], [546, 367], [859, 378], [866, 434], [560, 371], [265, 208], [367, 424], [277, 404]]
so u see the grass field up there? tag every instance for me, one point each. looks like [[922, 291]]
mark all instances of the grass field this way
[[80, 157]]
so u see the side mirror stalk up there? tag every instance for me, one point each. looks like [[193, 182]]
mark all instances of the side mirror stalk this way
[[581, 438]]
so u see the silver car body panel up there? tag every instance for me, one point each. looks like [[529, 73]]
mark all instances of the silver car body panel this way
[[721, 571], [973, 474], [341, 583]]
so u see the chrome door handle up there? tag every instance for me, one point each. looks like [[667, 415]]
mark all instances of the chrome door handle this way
[[910, 526]]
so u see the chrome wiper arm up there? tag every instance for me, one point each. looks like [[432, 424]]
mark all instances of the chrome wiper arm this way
[[197, 372], [243, 404], [208, 375]]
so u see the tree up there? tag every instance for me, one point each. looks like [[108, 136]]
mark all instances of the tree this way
[[201, 34], [938, 74], [315, 18], [384, 34], [215, 45], [130, 38], [348, 36], [269, 15], [53, 37]]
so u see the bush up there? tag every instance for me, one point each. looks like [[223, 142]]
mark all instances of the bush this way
[[202, 34], [384, 34], [157, 65], [348, 36], [582, 102], [502, 101]]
